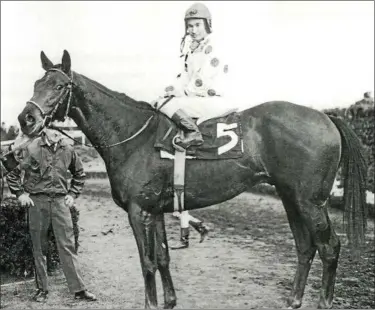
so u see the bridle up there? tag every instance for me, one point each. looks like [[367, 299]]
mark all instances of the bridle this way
[[47, 117]]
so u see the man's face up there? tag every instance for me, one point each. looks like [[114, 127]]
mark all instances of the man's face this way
[[196, 28]]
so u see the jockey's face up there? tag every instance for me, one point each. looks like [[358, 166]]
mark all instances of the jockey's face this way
[[196, 28]]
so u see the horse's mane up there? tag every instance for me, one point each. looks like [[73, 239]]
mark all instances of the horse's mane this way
[[121, 97]]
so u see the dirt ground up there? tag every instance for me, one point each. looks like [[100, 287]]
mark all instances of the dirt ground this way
[[248, 260]]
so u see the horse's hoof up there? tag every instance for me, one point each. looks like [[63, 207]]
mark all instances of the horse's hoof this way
[[323, 305], [294, 303], [170, 304]]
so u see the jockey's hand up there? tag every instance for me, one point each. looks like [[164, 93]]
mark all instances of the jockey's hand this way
[[69, 201], [25, 200], [155, 103]]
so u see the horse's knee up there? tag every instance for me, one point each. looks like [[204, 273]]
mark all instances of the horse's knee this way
[[329, 253], [149, 267], [306, 258], [163, 262]]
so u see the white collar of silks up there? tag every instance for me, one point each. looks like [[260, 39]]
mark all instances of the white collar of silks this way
[[189, 42]]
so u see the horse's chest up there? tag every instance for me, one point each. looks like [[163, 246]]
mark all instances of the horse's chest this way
[[140, 180]]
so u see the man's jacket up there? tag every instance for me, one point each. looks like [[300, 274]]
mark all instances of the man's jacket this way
[[46, 169]]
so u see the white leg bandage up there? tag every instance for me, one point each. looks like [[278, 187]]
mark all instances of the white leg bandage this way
[[184, 219]]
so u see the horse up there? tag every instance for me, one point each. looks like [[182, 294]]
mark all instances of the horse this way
[[295, 148]]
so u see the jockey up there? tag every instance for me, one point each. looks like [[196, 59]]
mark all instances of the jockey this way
[[196, 93], [201, 81]]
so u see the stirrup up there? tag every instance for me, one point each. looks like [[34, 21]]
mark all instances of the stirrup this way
[[181, 145], [177, 146]]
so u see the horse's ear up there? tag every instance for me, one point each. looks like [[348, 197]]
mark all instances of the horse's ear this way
[[46, 63], [66, 63]]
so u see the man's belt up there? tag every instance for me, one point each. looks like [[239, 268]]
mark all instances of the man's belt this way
[[50, 195]]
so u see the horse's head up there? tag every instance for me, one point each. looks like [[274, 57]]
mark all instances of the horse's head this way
[[51, 99]]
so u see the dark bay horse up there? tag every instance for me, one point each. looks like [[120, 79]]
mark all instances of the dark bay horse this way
[[294, 148]]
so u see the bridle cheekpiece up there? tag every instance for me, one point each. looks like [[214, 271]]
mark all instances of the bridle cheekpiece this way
[[47, 117]]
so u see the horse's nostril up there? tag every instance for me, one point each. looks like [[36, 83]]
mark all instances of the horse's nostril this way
[[29, 118]]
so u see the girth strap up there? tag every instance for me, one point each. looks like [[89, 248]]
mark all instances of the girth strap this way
[[179, 179]]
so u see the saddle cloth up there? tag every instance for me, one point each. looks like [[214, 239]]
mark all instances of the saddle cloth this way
[[222, 138]]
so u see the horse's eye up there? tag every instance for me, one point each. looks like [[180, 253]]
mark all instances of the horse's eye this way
[[59, 87]]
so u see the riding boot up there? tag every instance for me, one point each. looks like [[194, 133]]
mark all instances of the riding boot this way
[[184, 240], [201, 229], [192, 134]]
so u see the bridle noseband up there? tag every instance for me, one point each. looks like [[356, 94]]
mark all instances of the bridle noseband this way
[[47, 117]]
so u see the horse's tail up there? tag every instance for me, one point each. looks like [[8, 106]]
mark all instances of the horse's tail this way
[[354, 171]]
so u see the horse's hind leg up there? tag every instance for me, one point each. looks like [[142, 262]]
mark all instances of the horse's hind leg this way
[[163, 259], [143, 225], [305, 251], [329, 250], [328, 244]]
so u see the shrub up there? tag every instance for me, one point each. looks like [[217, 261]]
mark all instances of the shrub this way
[[16, 256]]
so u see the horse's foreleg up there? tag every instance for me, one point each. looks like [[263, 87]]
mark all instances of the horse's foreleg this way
[[163, 259], [305, 251], [143, 225]]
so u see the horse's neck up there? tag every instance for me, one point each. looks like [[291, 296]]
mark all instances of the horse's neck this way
[[103, 117]]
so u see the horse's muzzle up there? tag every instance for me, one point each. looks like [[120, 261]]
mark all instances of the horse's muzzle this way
[[28, 122]]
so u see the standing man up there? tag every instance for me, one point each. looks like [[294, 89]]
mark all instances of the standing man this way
[[44, 189]]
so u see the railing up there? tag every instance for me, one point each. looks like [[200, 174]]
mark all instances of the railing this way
[[6, 142]]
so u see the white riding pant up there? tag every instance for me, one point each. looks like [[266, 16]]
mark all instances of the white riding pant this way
[[185, 218]]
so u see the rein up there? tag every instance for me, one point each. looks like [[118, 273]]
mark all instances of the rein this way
[[111, 145]]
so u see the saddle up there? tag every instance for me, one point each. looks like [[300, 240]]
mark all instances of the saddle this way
[[222, 140]]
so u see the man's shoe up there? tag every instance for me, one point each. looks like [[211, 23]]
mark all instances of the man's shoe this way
[[85, 295], [40, 296]]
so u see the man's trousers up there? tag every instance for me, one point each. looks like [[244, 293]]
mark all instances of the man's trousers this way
[[52, 210]]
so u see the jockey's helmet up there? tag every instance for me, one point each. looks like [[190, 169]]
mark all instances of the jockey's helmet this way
[[199, 10]]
